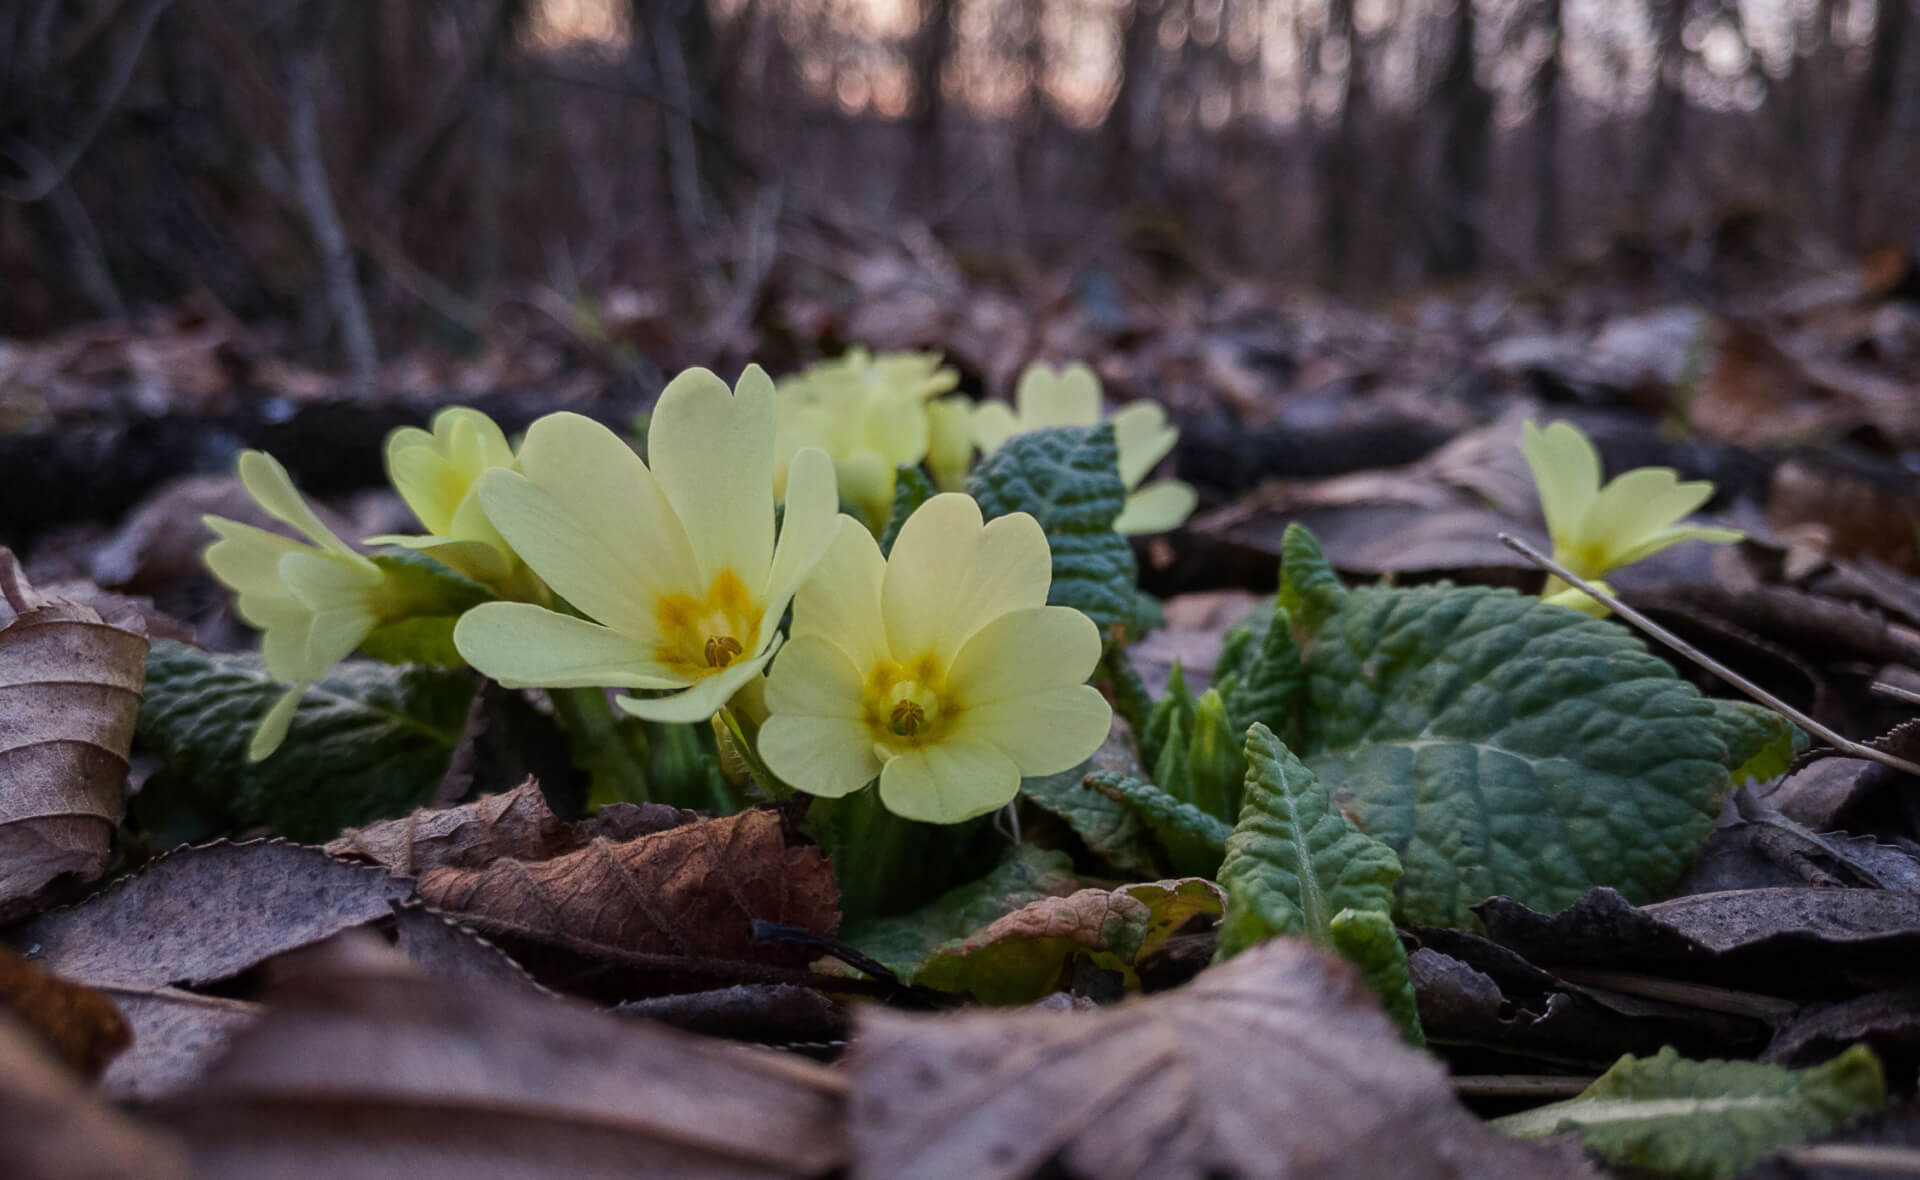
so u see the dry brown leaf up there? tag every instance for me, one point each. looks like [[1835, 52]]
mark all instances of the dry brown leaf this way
[[358, 1067], [53, 1128], [69, 690], [443, 948], [198, 916], [691, 891], [517, 824], [79, 1024], [1278, 1063]]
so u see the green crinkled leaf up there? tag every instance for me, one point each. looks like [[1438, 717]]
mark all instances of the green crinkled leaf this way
[[1177, 705], [1216, 767], [1500, 745], [1172, 771], [1760, 743], [1261, 675], [1130, 697], [1108, 828], [1294, 861], [434, 597], [368, 742], [911, 488], [1068, 477], [1703, 1120], [1032, 951], [1026, 875], [1193, 840], [1367, 939]]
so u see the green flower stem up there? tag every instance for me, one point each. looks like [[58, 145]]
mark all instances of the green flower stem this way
[[886, 865], [776, 790], [612, 753]]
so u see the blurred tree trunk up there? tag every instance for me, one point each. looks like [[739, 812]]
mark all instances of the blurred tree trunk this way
[[1872, 114], [1340, 153], [681, 47], [1663, 130], [1546, 130], [1130, 171], [932, 47], [1466, 114]]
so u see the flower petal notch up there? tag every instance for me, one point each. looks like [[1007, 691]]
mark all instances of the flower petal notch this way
[[675, 566], [1046, 397], [1596, 529], [939, 670]]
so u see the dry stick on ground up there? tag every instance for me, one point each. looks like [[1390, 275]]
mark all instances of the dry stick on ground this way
[[1656, 631]]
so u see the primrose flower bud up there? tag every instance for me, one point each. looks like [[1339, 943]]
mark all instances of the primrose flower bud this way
[[1047, 397], [1596, 529], [674, 565], [940, 670], [437, 473]]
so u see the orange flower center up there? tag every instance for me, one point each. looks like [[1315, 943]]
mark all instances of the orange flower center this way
[[702, 633]]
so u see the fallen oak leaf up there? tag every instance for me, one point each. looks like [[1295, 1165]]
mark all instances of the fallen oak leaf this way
[[692, 891], [1276, 1063], [69, 692], [52, 1127], [359, 1064]]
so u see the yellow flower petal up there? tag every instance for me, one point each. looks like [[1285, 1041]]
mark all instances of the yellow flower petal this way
[[949, 442], [1566, 470], [1162, 505], [814, 678], [1025, 652], [866, 482], [247, 559], [896, 429], [273, 727], [1044, 733], [840, 602], [811, 521], [1057, 397], [993, 425], [520, 644], [1141, 433], [1635, 506], [825, 756], [948, 782], [1673, 536], [932, 559], [712, 452], [268, 483], [703, 699], [432, 487]]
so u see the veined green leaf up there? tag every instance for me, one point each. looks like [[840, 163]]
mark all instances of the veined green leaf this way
[[1176, 706], [368, 742], [1501, 745], [1068, 477], [1760, 743], [1216, 765], [1027, 874], [1703, 1120], [1193, 840], [1367, 939]]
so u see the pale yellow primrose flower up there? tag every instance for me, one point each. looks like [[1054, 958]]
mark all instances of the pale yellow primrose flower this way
[[1596, 529], [313, 604], [949, 442], [438, 473], [941, 669], [677, 563], [1047, 397], [869, 413]]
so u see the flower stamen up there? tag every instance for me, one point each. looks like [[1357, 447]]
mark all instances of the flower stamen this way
[[721, 649], [907, 718]]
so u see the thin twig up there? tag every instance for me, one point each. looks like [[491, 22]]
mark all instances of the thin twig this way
[[1882, 1158], [1656, 631], [1895, 691]]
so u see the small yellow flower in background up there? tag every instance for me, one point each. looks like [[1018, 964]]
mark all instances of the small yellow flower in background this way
[[869, 412], [674, 565], [1047, 397], [313, 604], [941, 670], [1596, 529], [949, 442], [437, 472]]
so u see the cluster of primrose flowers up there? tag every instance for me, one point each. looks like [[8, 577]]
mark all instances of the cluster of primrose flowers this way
[[940, 672]]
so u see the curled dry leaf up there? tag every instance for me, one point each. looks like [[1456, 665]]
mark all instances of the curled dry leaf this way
[[198, 916], [357, 1067], [69, 691], [517, 824], [80, 1025], [53, 1128], [692, 891], [1277, 1063]]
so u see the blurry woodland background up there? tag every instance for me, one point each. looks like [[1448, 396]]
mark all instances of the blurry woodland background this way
[[366, 174]]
